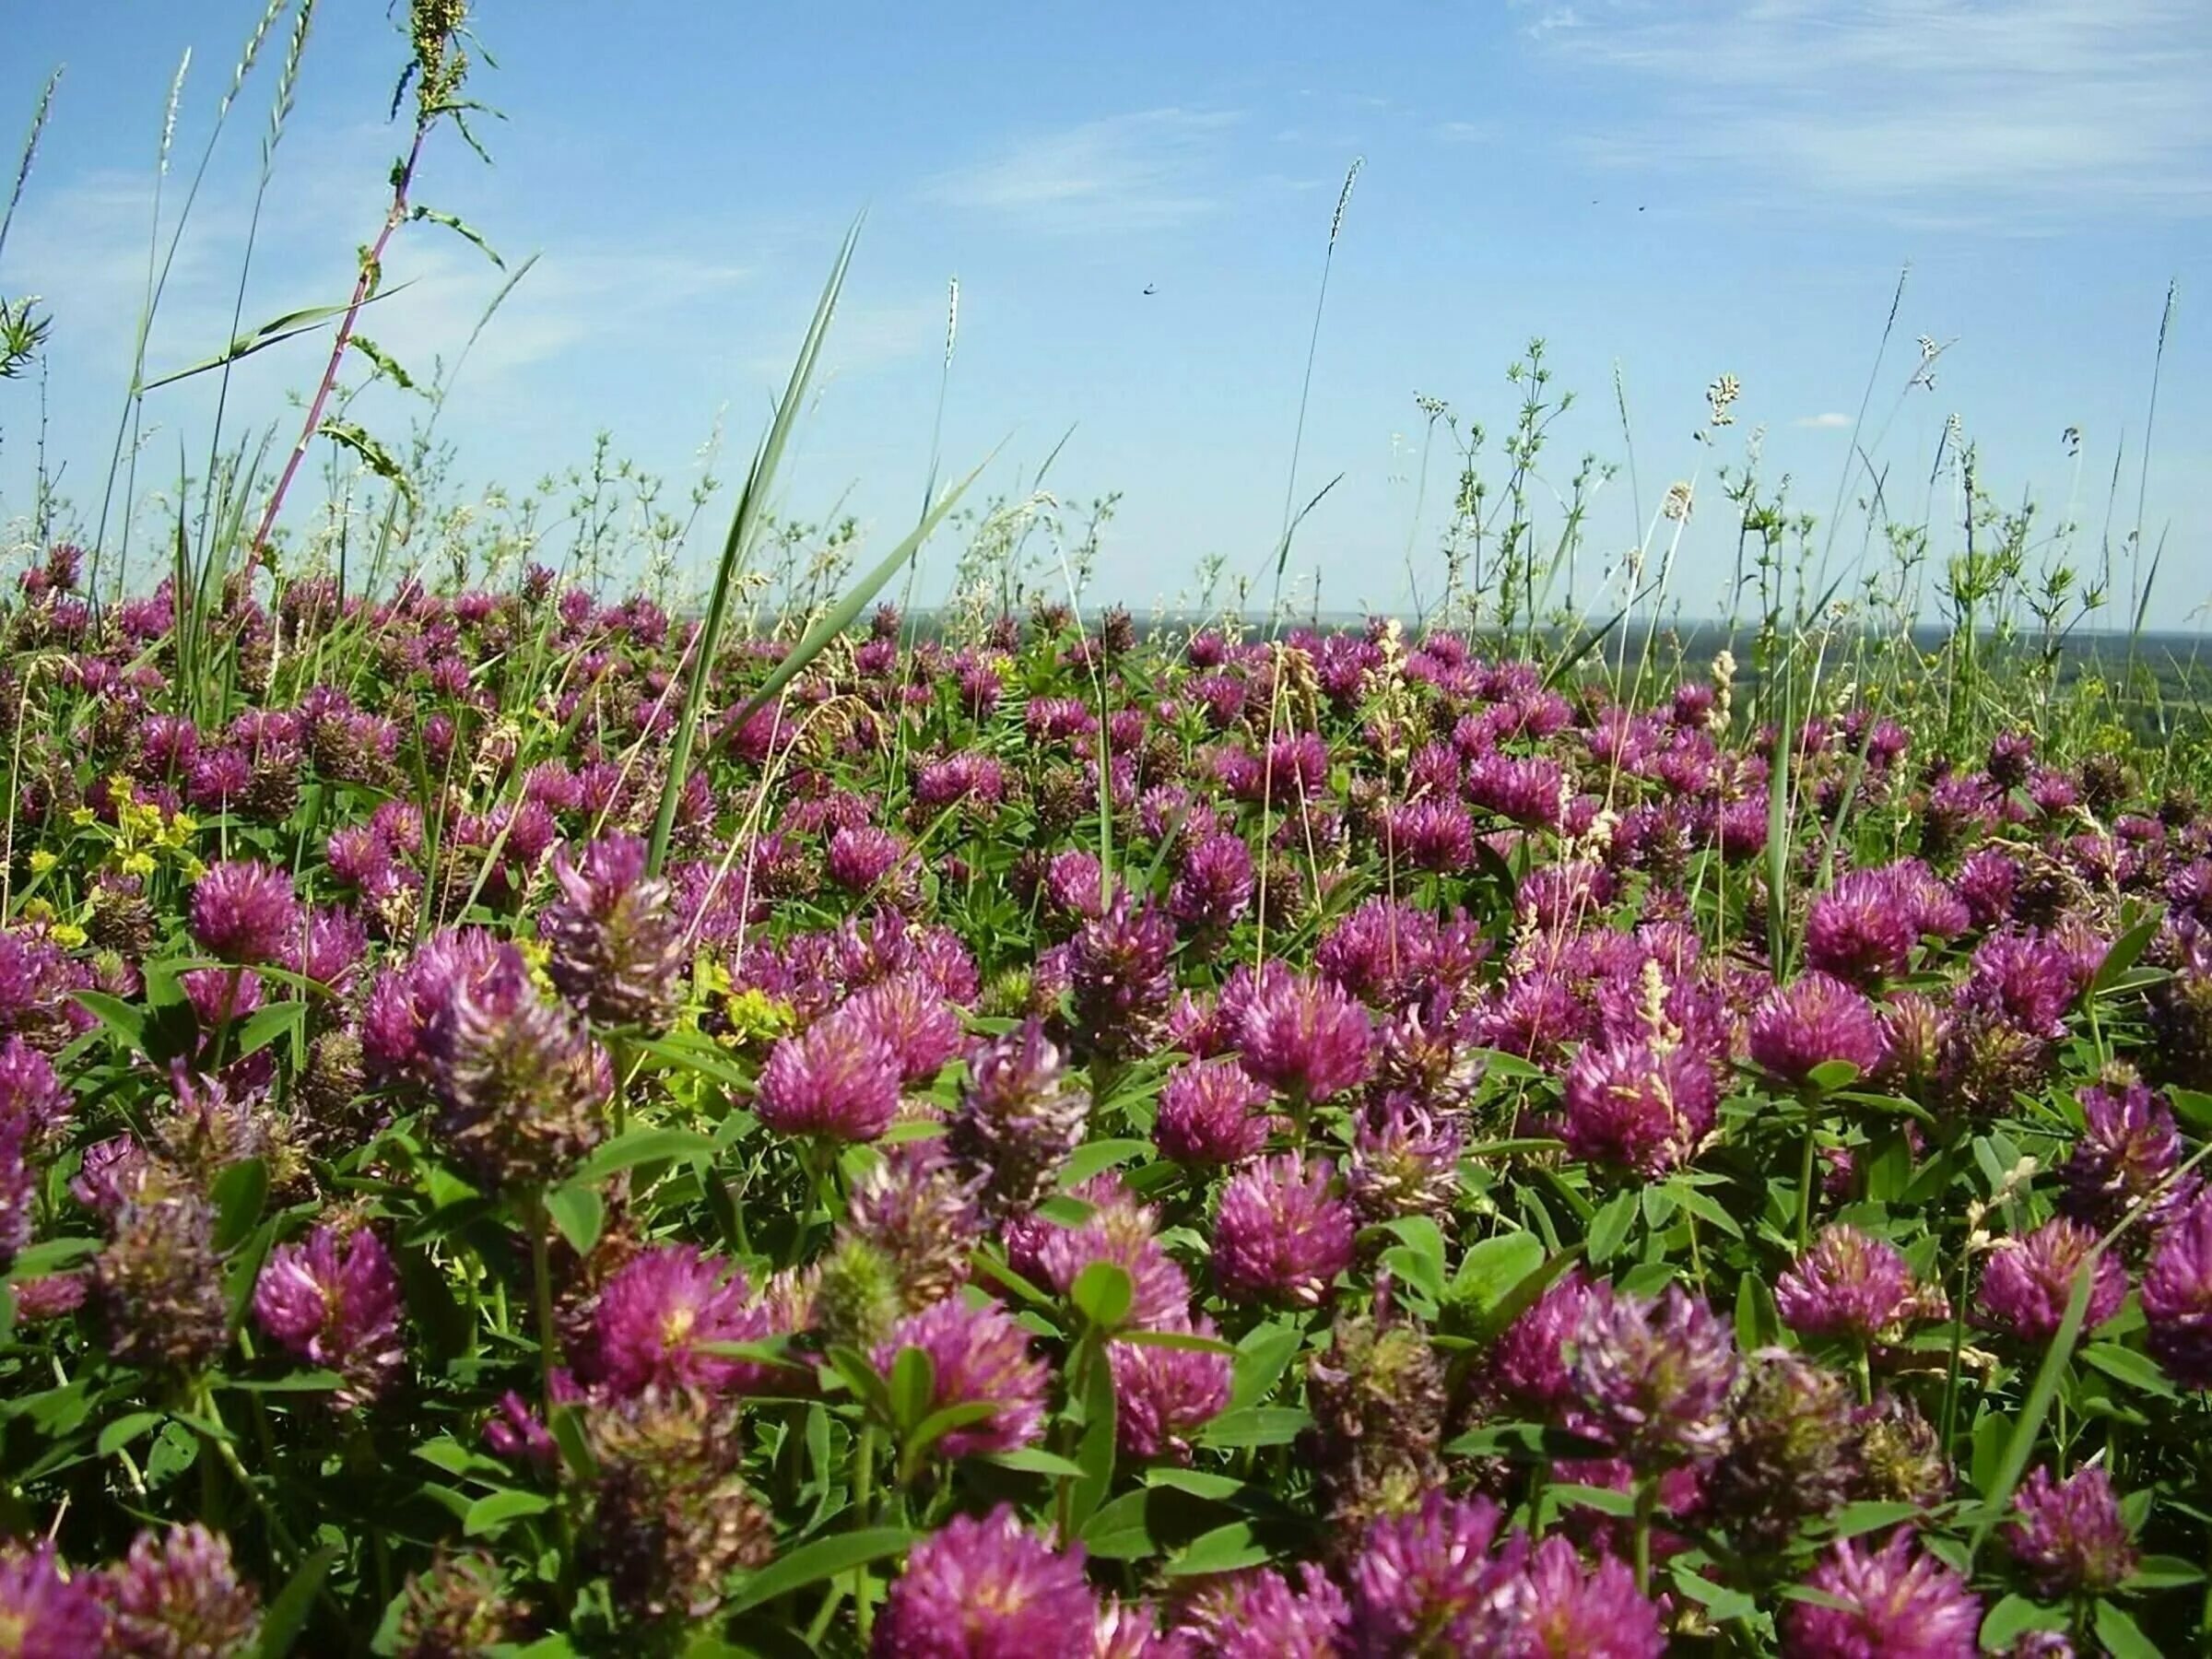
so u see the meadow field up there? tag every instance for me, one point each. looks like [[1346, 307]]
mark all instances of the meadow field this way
[[560, 1097]]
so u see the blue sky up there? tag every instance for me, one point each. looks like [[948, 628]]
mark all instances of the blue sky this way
[[1670, 190]]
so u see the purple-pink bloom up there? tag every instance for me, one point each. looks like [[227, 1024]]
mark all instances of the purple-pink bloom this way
[[1211, 1111], [659, 1312], [912, 1016], [45, 1612], [177, 1594], [2070, 1534], [836, 1079], [1018, 1120], [1654, 1374], [2028, 1281], [2129, 1145], [1562, 1609], [1281, 1234], [35, 1104], [1900, 1602], [615, 947], [1847, 1284], [1120, 981], [335, 1302], [245, 911], [1163, 1396], [1256, 1614], [1121, 1230], [1636, 1107], [1215, 885], [1427, 1581], [2026, 979], [2177, 1296], [1864, 928], [979, 1355], [1529, 1364], [1305, 1038], [987, 1588], [1816, 1021]]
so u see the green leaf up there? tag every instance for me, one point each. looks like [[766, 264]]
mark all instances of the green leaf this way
[[2020, 1446], [686, 1050], [275, 332], [282, 1618], [1603, 1500], [2124, 953], [579, 1213], [36, 1260], [1199, 1483], [267, 1023], [1257, 1426], [1758, 1320], [1707, 1208], [640, 1146], [1119, 1531], [126, 1020], [383, 361], [1188, 1341], [752, 508], [2164, 1572], [1035, 1460], [2125, 1365], [1224, 1550], [450, 1456], [305, 1382], [1609, 1228], [1719, 1601], [238, 1193], [1092, 1158], [2014, 1618], [1263, 1356], [125, 1429], [815, 1562], [1831, 1075], [1493, 1267], [462, 229], [491, 1514], [2191, 1106], [2122, 1636], [1094, 1451], [1102, 1293], [1868, 1514], [924, 1435], [349, 435], [913, 1385]]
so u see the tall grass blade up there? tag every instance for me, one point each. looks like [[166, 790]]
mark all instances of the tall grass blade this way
[[31, 151], [744, 521], [841, 615], [1305, 390]]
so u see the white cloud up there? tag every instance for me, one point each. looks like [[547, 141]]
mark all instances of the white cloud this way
[[1139, 172], [1824, 423], [82, 245], [2013, 115]]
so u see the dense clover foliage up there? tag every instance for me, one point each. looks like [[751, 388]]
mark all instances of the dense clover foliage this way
[[1318, 1145]]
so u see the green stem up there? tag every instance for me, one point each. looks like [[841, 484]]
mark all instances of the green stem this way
[[1647, 1503], [1804, 1178], [541, 1292], [864, 1503]]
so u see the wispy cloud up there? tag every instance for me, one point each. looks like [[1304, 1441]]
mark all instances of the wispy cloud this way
[[1138, 172], [1822, 423], [2012, 115], [83, 243]]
